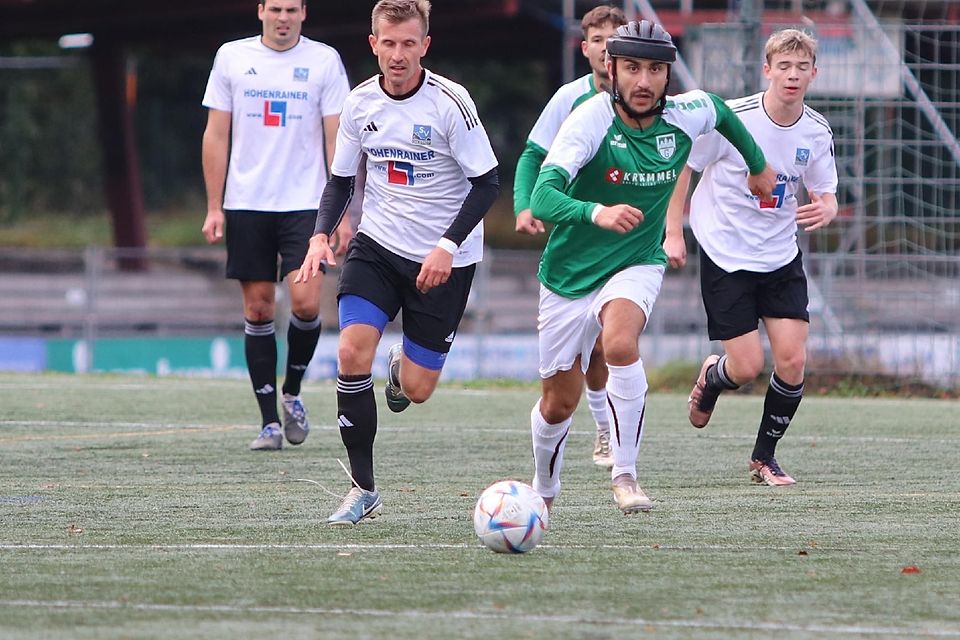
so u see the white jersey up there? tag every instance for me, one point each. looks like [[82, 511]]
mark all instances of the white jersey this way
[[565, 100], [278, 100], [737, 231], [420, 152]]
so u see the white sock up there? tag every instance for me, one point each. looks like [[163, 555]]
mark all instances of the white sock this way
[[627, 390], [597, 401], [549, 441]]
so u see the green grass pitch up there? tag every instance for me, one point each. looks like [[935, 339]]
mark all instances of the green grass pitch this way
[[131, 508]]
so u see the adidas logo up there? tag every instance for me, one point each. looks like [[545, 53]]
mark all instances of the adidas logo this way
[[372, 126], [266, 389], [343, 422], [251, 72]]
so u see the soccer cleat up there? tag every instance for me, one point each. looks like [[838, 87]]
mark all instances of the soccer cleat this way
[[358, 505], [698, 417], [396, 401], [270, 439], [628, 496], [768, 472], [295, 425], [602, 455]]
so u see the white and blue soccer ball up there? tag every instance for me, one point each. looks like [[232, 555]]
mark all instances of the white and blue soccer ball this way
[[510, 517]]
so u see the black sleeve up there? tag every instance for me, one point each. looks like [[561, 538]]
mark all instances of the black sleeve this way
[[483, 191], [333, 203]]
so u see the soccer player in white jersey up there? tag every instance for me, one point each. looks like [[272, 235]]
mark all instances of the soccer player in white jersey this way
[[431, 176], [605, 185], [751, 268], [274, 105], [597, 26]]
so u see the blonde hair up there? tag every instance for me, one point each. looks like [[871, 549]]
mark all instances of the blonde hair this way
[[790, 41], [397, 11]]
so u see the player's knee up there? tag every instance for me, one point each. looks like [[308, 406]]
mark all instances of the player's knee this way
[[350, 357], [744, 369], [419, 391], [305, 308], [621, 350], [791, 367], [258, 311], [556, 408]]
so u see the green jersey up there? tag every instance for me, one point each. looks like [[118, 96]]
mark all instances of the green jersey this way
[[566, 99], [597, 159]]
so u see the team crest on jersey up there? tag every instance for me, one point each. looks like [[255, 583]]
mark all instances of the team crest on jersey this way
[[301, 74], [666, 145], [421, 134], [803, 157]]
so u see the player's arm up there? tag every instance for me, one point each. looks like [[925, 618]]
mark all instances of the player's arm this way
[[344, 232], [215, 151], [528, 168], [762, 179], [673, 244], [551, 203], [438, 265], [333, 205]]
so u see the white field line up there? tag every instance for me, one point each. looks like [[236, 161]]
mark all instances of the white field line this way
[[105, 427], [525, 617]]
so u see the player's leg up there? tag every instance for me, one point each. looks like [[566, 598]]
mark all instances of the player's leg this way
[[565, 332], [729, 300], [783, 304], [367, 300], [304, 329], [596, 379], [252, 259], [622, 307], [430, 323]]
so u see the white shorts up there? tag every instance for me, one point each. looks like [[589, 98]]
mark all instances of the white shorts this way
[[570, 327]]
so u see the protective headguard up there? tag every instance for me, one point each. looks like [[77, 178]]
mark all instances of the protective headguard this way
[[642, 40]]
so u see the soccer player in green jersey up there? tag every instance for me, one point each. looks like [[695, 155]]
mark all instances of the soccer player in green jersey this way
[[597, 25], [605, 186]]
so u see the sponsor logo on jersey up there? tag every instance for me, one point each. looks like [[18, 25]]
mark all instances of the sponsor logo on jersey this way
[[779, 192], [617, 141], [666, 145], [616, 175], [803, 157], [251, 72], [421, 134], [301, 74], [400, 173], [371, 127], [450, 337], [275, 113], [389, 153]]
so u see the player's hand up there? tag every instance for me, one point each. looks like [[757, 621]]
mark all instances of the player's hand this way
[[620, 218], [676, 249], [816, 214], [435, 270], [342, 237], [213, 225], [763, 184], [527, 224], [318, 254]]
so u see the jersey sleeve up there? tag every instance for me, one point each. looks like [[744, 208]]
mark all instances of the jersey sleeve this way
[[468, 140], [525, 177], [346, 158], [218, 94], [551, 118], [335, 88], [706, 150], [580, 136], [821, 175], [733, 129]]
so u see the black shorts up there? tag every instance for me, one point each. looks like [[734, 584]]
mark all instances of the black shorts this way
[[390, 282], [255, 239], [736, 301]]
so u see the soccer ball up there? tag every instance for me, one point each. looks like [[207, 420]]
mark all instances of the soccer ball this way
[[510, 517]]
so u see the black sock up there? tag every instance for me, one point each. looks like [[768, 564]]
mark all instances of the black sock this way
[[357, 418], [260, 347], [302, 337], [779, 407], [717, 382]]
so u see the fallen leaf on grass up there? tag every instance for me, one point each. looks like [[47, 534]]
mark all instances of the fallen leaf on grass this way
[[910, 569], [74, 529], [802, 552], [406, 490], [344, 554]]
